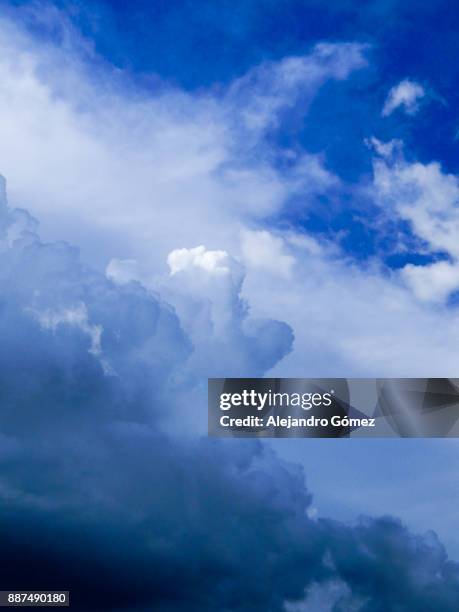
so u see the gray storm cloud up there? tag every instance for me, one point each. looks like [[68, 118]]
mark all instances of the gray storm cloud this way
[[99, 498]]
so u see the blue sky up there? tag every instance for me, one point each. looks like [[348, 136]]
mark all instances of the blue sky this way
[[222, 41], [223, 188]]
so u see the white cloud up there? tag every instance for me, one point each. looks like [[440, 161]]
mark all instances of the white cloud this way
[[130, 174], [204, 287], [428, 199], [138, 179], [213, 262], [406, 94], [135, 176], [433, 282], [261, 249], [273, 86], [362, 320], [423, 195], [354, 322]]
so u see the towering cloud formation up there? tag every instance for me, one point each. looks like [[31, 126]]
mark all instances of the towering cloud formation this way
[[106, 486], [99, 499]]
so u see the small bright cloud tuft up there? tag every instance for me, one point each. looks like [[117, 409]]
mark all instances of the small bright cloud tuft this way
[[405, 94], [213, 262]]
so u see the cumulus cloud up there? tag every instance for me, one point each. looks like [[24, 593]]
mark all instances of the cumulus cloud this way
[[433, 282], [133, 512], [213, 262], [204, 287], [405, 94], [134, 518], [427, 198], [424, 196], [420, 576]]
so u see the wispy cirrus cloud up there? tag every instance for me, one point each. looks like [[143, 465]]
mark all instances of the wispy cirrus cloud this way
[[137, 172]]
